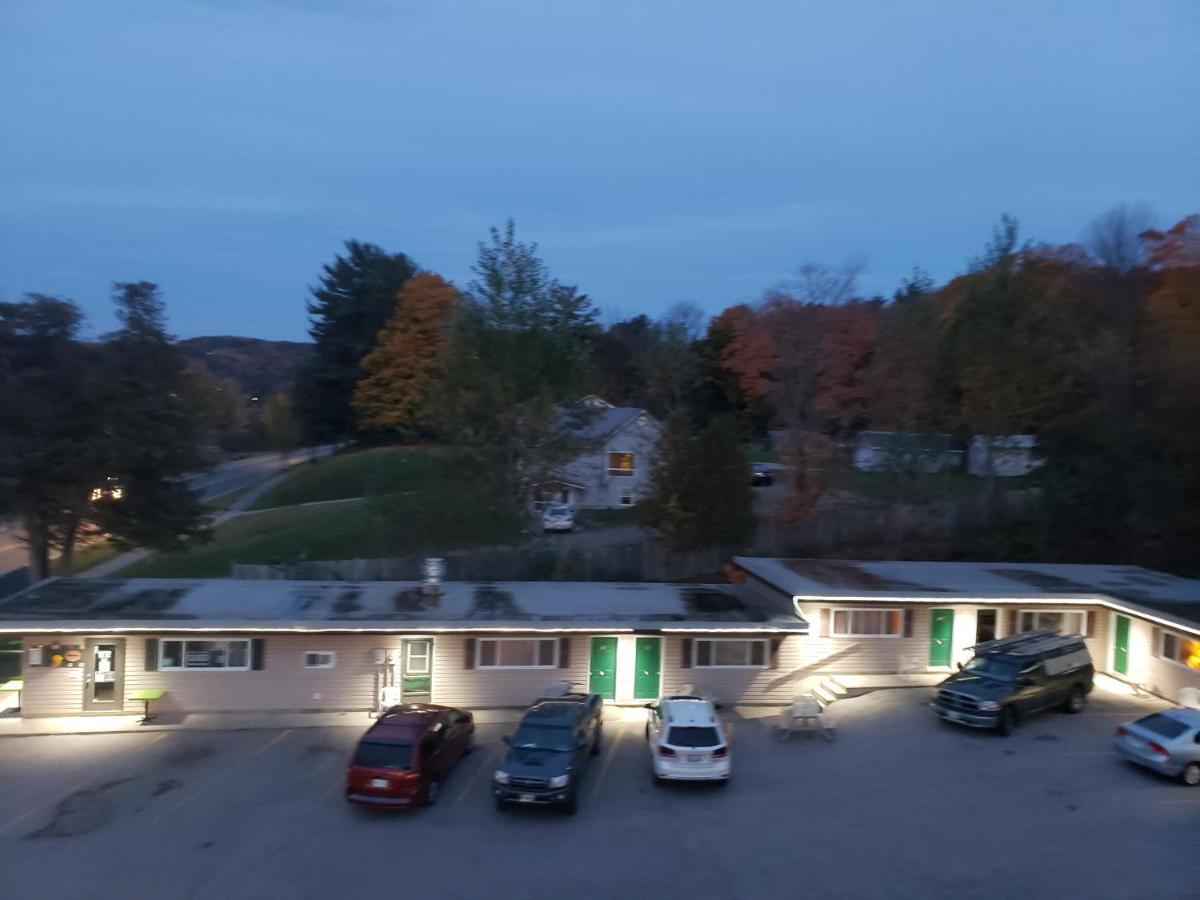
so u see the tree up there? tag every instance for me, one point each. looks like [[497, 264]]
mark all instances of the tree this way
[[50, 450], [515, 369], [151, 437], [354, 300], [221, 406], [700, 493], [280, 423], [900, 381], [1115, 237], [399, 370]]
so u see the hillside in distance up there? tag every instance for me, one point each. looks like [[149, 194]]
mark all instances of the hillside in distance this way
[[261, 367]]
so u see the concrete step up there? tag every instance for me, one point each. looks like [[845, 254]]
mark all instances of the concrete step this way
[[824, 695], [834, 686]]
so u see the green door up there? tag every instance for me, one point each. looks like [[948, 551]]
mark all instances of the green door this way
[[602, 670], [1121, 646], [647, 676], [941, 631]]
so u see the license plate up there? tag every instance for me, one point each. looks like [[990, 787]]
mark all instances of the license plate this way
[[526, 798], [693, 757], [954, 717], [379, 782]]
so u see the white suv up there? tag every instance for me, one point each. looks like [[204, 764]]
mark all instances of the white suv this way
[[687, 742]]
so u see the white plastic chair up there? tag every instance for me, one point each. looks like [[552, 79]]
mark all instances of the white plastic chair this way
[[1189, 697]]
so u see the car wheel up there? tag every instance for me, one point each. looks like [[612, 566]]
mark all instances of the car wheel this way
[[647, 731], [501, 806], [470, 748], [570, 806], [596, 744], [1190, 774], [1075, 701], [1007, 721], [432, 789]]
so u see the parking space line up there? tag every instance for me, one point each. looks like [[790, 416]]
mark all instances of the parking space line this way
[[482, 767], [226, 773], [74, 789], [1092, 753], [608, 758]]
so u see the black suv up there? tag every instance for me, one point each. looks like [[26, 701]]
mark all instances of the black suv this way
[[549, 751], [1013, 677]]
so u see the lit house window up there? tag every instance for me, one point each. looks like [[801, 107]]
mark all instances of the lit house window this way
[[620, 463], [517, 653], [729, 653], [1064, 621], [320, 659], [222, 654], [1179, 649], [867, 623]]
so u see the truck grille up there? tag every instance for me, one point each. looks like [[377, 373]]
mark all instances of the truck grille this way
[[955, 700], [529, 784]]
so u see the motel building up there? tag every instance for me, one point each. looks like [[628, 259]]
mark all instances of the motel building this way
[[95, 647]]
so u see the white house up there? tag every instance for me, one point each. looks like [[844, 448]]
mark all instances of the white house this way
[[906, 451], [619, 445], [1011, 455]]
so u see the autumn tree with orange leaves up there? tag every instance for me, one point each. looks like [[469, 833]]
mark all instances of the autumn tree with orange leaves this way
[[400, 368]]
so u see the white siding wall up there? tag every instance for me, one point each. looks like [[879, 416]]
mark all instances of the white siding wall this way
[[454, 685], [745, 686], [1162, 676]]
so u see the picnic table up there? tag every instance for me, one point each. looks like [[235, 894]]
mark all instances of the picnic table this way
[[146, 695]]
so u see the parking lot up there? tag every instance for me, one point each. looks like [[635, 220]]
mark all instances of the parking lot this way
[[899, 805]]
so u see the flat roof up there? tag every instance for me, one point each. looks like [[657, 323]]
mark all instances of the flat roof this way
[[162, 605], [1171, 598]]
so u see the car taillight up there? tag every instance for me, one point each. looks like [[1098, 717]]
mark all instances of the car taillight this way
[[1121, 730], [1158, 748], [720, 751], [665, 751]]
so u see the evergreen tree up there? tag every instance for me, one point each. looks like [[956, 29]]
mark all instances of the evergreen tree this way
[[354, 300], [700, 495]]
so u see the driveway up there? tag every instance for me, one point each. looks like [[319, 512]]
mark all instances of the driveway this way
[[899, 806]]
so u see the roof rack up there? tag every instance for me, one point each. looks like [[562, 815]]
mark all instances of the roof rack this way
[[1027, 643]]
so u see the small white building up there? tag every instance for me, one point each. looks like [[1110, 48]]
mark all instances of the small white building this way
[[619, 446], [1003, 455], [906, 451]]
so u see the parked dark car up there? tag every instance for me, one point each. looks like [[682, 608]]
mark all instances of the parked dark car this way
[[401, 761], [549, 752], [761, 475], [1014, 677]]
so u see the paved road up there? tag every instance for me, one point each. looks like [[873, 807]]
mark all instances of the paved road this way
[[899, 806], [242, 473], [222, 479]]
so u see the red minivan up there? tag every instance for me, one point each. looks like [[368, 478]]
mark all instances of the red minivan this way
[[403, 758]]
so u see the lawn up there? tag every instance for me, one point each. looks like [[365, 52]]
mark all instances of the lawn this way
[[423, 502], [355, 474], [911, 487], [84, 558]]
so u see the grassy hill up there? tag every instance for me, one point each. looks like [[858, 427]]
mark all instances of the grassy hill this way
[[260, 367]]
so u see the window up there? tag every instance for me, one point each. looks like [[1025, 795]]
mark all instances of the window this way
[[1064, 621], [218, 654], [626, 498], [729, 653], [620, 463], [985, 625], [1181, 650], [320, 659], [517, 653], [867, 623]]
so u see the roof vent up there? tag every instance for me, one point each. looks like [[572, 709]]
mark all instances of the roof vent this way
[[434, 568]]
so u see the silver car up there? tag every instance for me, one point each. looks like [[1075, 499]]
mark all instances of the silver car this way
[[1167, 742]]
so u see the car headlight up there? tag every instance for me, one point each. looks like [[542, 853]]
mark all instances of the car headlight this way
[[559, 781], [501, 777], [989, 705]]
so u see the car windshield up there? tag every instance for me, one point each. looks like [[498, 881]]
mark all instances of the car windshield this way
[[543, 737], [558, 511], [1162, 725], [693, 736], [383, 756], [996, 667]]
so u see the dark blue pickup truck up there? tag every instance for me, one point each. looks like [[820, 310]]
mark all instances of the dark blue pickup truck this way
[[549, 752]]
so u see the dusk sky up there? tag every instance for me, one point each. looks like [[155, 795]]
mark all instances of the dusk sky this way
[[657, 151]]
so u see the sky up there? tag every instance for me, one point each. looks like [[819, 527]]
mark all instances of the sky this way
[[678, 150]]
